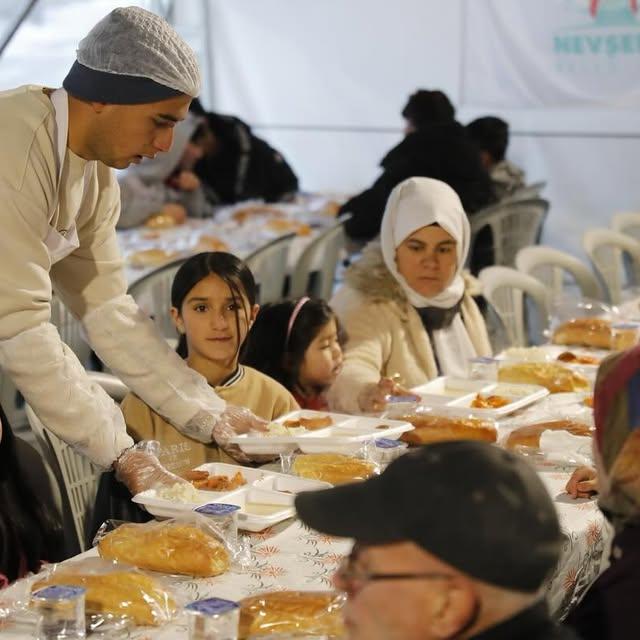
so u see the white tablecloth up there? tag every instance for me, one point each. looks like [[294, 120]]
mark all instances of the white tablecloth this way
[[290, 556]]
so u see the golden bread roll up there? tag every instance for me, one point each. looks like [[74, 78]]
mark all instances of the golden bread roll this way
[[241, 215], [150, 257], [168, 547], [118, 593], [529, 436], [429, 429], [292, 612], [555, 377], [590, 332], [332, 467], [294, 226], [211, 243], [161, 221], [310, 423]]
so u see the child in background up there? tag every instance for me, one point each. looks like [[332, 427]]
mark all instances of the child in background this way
[[299, 343], [213, 300]]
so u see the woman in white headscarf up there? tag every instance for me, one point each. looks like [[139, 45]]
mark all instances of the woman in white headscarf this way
[[404, 305]]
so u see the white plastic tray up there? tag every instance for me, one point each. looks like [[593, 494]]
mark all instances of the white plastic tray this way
[[458, 394], [346, 435], [265, 500]]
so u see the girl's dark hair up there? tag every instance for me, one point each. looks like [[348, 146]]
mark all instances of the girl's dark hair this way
[[233, 271], [30, 530], [267, 348]]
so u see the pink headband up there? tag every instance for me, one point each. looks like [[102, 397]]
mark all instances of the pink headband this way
[[292, 319]]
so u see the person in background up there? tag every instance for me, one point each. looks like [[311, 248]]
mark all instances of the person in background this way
[[299, 343], [452, 540], [213, 306], [406, 305], [435, 146], [609, 609], [167, 185], [30, 526], [491, 135], [237, 165], [132, 81]]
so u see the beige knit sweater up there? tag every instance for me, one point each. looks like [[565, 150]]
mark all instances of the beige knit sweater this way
[[386, 335]]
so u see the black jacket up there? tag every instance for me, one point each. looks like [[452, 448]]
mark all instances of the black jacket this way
[[245, 166], [533, 623], [442, 151]]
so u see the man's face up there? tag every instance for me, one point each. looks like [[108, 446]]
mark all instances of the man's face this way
[[417, 608], [124, 134]]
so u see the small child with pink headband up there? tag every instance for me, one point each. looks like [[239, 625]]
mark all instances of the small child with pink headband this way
[[299, 344]]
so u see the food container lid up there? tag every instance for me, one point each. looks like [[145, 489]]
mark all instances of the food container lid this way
[[59, 592], [387, 443], [212, 606], [217, 509]]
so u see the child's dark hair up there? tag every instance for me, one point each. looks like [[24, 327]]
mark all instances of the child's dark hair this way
[[30, 529], [268, 349], [233, 271]]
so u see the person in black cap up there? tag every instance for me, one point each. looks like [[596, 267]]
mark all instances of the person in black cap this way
[[453, 540], [435, 146]]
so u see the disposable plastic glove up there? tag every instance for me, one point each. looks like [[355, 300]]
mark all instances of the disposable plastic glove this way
[[139, 468]]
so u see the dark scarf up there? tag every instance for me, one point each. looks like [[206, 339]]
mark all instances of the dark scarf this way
[[434, 318]]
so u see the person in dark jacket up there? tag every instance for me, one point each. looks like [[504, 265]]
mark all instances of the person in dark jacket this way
[[238, 165], [491, 134], [435, 146]]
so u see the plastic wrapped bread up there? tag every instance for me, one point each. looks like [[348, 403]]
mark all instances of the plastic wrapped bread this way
[[555, 377], [431, 428], [168, 547], [335, 468], [292, 613]]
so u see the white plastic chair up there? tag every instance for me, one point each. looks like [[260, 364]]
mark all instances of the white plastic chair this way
[[315, 270], [505, 289], [153, 295], [627, 223], [528, 192], [269, 267], [606, 250], [514, 224], [77, 477], [551, 267]]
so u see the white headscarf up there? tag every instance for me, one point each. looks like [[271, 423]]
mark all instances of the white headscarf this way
[[417, 203]]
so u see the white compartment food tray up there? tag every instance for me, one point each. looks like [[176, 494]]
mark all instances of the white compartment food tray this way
[[346, 435], [263, 488], [458, 394]]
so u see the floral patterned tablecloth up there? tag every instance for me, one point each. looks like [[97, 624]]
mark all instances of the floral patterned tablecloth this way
[[290, 556]]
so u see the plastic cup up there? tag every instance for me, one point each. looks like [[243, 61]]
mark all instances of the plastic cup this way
[[213, 619], [483, 368], [60, 612], [224, 518]]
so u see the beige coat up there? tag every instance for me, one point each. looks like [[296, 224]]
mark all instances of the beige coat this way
[[385, 333]]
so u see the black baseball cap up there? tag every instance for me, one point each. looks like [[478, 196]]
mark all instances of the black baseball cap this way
[[475, 506]]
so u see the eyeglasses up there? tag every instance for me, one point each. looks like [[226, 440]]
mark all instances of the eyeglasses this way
[[356, 577]]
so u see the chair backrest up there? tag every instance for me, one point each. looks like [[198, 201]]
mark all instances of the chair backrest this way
[[153, 295], [315, 269], [606, 250], [551, 267], [77, 477], [269, 266], [514, 224], [70, 329], [505, 288], [528, 192], [627, 223]]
